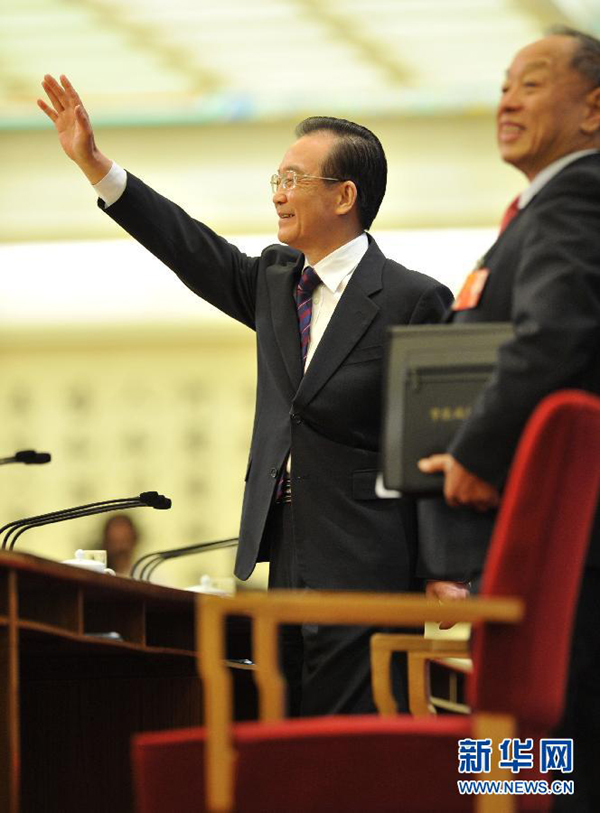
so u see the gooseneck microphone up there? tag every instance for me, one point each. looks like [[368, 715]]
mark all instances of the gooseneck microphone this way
[[13, 530], [27, 456], [146, 565]]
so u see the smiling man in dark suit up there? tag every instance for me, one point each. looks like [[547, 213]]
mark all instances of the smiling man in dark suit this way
[[320, 305], [543, 275]]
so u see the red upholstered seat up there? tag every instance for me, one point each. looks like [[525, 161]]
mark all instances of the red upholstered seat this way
[[374, 764], [316, 765], [168, 771], [350, 764]]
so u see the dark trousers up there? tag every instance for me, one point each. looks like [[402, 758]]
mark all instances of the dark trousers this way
[[327, 668]]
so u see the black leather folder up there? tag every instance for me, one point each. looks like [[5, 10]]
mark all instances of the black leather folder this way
[[433, 374]]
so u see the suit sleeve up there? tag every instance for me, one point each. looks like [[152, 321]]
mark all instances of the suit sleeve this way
[[211, 267], [556, 317], [432, 305]]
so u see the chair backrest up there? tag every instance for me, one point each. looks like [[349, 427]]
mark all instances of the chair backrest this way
[[537, 553]]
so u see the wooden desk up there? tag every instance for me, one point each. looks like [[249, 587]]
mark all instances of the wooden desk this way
[[70, 698]]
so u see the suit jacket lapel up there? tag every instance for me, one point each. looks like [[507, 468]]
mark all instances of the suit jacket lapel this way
[[281, 282], [353, 314]]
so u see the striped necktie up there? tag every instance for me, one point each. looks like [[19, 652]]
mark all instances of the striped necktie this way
[[304, 291], [308, 282]]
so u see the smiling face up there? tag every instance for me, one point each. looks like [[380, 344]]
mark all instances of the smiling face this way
[[544, 112], [314, 216]]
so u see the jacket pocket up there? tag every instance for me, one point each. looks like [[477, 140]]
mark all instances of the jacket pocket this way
[[365, 354], [363, 484]]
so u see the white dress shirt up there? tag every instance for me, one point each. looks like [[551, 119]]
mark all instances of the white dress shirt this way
[[335, 271]]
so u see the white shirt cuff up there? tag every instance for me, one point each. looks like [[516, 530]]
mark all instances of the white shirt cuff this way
[[112, 186]]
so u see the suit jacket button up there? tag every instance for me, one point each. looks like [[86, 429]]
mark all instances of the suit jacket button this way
[[273, 473], [296, 418]]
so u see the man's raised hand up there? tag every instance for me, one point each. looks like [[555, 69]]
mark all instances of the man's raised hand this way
[[73, 126]]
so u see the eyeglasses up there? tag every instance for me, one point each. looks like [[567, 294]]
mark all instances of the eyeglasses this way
[[291, 178]]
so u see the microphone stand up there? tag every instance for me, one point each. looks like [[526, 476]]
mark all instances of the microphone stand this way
[[149, 499], [147, 564], [28, 456]]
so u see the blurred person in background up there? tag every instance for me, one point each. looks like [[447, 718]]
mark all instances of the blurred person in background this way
[[543, 275], [120, 537], [320, 304]]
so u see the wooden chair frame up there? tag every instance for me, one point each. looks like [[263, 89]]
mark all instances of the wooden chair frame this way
[[267, 611], [420, 652]]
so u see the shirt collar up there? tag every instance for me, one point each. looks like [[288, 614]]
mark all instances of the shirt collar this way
[[333, 268], [542, 178]]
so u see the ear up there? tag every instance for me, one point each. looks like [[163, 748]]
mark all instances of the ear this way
[[591, 123], [347, 197]]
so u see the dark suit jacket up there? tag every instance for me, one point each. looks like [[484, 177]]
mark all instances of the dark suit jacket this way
[[329, 418], [544, 278]]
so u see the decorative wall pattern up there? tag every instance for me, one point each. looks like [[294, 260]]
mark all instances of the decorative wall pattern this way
[[123, 411]]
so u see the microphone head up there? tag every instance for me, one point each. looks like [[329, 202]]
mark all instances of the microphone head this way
[[155, 500], [29, 456]]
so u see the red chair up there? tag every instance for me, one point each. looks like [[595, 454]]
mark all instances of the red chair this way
[[374, 764]]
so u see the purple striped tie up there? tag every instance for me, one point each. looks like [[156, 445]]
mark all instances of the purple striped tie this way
[[308, 282]]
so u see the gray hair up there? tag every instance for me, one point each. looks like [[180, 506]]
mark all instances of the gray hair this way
[[586, 59]]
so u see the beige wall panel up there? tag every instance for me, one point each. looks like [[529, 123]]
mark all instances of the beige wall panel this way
[[124, 411]]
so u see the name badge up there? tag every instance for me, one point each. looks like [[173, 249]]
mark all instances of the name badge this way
[[470, 294]]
